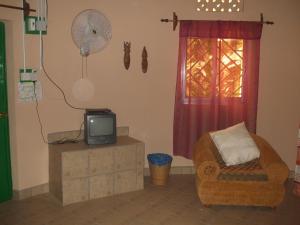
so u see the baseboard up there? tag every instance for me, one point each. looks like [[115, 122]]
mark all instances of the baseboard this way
[[44, 188], [30, 192]]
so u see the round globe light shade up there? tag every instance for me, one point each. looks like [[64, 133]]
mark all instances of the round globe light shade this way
[[83, 90]]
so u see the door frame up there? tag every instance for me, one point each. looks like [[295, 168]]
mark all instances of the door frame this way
[[7, 174]]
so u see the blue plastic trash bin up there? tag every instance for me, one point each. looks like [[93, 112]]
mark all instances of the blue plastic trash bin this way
[[159, 164]]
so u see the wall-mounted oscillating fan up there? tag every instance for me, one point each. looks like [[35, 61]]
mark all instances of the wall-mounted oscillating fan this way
[[91, 31]]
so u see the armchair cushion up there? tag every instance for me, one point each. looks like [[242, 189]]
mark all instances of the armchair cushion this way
[[235, 145]]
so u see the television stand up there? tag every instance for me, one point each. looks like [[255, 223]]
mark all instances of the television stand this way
[[79, 172]]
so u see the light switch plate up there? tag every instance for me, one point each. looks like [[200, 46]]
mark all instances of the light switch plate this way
[[33, 25], [28, 75]]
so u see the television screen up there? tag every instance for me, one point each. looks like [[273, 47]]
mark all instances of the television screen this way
[[101, 126]]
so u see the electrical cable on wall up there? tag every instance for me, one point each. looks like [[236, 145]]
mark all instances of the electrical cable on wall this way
[[54, 83], [23, 39], [39, 2], [98, 40], [60, 141], [38, 114], [42, 15]]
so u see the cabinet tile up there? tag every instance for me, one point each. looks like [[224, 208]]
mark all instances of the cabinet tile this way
[[101, 161], [125, 181], [76, 190], [125, 158], [140, 179], [75, 164], [101, 186]]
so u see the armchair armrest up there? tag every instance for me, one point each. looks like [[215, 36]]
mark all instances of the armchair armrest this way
[[270, 161], [205, 162]]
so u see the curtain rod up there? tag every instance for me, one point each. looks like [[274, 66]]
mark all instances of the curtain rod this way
[[175, 20], [26, 8]]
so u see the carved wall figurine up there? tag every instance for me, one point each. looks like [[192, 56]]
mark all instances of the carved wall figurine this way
[[127, 54], [144, 60]]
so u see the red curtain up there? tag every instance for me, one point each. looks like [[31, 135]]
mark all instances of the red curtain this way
[[217, 79]]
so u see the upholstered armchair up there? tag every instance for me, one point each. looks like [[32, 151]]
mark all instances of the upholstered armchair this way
[[259, 182]]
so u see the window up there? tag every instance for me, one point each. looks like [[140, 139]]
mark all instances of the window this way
[[207, 58], [217, 79]]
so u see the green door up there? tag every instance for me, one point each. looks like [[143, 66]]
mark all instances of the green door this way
[[5, 169]]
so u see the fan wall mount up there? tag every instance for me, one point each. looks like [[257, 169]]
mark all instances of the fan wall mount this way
[[91, 31]]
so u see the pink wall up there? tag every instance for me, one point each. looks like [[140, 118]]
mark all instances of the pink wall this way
[[144, 102]]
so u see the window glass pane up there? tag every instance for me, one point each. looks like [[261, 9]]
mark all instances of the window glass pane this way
[[198, 67], [230, 60], [227, 61]]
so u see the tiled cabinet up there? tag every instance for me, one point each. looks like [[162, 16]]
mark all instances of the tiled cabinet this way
[[78, 172]]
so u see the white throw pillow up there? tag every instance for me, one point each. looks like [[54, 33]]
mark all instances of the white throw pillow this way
[[235, 145]]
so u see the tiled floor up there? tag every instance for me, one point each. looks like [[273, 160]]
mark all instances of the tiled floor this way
[[175, 204]]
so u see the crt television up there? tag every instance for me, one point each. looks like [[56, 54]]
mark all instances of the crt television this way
[[100, 126]]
